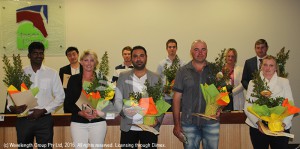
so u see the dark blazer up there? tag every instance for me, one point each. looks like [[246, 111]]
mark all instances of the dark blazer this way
[[249, 68], [73, 93], [66, 70]]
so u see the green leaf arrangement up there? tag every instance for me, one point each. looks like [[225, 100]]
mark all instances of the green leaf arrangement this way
[[259, 87], [14, 74], [170, 73], [281, 59], [155, 91], [217, 67]]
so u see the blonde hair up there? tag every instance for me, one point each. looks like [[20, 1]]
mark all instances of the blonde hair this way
[[234, 52], [270, 57], [90, 52]]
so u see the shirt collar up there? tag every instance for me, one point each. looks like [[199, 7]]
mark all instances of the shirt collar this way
[[190, 65], [259, 58], [43, 67], [130, 66], [169, 60]]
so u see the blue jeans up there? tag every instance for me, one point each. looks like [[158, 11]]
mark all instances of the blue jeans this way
[[207, 133]]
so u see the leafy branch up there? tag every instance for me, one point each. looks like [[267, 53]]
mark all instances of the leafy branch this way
[[155, 91], [281, 59], [14, 74], [261, 86]]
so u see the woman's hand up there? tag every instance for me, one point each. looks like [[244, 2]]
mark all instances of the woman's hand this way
[[88, 114], [99, 113]]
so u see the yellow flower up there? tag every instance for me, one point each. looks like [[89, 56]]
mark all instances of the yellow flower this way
[[110, 95]]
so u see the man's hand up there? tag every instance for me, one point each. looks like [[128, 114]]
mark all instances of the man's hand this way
[[130, 112], [18, 109], [178, 132], [36, 113], [218, 113]]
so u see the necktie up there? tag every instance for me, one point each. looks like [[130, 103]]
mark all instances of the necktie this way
[[260, 63]]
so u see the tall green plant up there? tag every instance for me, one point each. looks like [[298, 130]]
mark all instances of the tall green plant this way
[[14, 74]]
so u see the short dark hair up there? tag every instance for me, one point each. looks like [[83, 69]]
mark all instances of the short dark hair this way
[[171, 41], [71, 49], [138, 47], [261, 41], [36, 45], [127, 48]]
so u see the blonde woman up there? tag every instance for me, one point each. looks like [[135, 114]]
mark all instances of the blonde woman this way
[[235, 73], [86, 127], [279, 87]]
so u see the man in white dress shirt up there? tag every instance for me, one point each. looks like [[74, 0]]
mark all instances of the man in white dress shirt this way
[[39, 123], [171, 47]]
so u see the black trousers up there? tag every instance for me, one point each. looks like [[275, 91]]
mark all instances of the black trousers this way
[[131, 140], [262, 141], [41, 129]]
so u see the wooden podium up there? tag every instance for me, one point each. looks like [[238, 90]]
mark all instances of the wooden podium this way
[[234, 133]]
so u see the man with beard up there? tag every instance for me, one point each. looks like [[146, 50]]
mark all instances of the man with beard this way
[[39, 123], [171, 47], [129, 82], [126, 65], [189, 129]]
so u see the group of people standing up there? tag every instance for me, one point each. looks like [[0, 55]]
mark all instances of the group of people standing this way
[[90, 127]]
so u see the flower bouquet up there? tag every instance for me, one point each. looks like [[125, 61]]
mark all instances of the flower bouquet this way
[[170, 73], [216, 94], [150, 103], [271, 110], [18, 82], [99, 92], [214, 98]]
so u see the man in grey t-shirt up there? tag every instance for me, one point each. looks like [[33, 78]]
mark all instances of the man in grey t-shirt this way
[[188, 128]]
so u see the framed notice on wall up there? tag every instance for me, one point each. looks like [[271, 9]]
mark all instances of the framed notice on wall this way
[[25, 21]]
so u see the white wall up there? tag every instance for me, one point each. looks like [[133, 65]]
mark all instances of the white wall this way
[[111, 25]]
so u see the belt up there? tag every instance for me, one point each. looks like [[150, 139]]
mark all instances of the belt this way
[[44, 115]]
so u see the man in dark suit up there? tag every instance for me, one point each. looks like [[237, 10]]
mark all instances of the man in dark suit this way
[[252, 64], [73, 68]]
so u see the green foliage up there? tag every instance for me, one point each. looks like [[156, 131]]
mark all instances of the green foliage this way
[[281, 59], [217, 67], [155, 91], [14, 74], [170, 72], [136, 96], [104, 68], [259, 86]]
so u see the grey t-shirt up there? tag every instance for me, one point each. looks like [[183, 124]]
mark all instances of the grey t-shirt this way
[[188, 82]]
